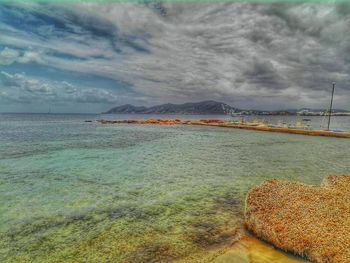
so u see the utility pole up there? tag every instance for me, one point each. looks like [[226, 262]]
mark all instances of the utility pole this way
[[330, 108]]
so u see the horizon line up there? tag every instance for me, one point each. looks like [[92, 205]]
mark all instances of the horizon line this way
[[178, 1]]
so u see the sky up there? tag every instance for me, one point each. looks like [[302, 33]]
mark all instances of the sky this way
[[89, 57]]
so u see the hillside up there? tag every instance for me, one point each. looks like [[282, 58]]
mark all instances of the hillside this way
[[204, 107]]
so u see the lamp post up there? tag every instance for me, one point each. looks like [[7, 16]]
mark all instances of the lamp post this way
[[330, 108]]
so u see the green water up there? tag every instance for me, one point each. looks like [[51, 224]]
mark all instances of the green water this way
[[72, 191]]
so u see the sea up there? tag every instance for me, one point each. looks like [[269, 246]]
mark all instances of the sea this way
[[77, 191]]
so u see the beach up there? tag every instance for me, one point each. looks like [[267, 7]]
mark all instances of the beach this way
[[73, 191]]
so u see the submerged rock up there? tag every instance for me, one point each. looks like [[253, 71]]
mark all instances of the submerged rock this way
[[312, 221]]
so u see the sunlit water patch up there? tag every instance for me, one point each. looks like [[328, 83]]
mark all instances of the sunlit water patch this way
[[82, 192]]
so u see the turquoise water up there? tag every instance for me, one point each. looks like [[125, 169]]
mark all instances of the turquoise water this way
[[72, 191]]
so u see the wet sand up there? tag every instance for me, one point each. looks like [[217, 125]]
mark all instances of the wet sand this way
[[251, 250]]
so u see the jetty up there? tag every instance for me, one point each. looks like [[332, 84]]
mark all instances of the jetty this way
[[256, 126], [312, 221]]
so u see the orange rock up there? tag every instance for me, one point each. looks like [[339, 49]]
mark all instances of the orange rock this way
[[308, 220]]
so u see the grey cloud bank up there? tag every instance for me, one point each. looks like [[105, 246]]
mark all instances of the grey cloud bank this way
[[262, 56]]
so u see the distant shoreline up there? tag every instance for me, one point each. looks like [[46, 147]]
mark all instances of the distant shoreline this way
[[172, 114], [257, 126], [243, 115], [214, 107]]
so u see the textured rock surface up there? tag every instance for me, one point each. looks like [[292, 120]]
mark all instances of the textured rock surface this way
[[313, 221]]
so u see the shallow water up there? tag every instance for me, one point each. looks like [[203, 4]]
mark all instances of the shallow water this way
[[72, 191]]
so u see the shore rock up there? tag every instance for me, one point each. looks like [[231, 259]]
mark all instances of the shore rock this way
[[312, 221]]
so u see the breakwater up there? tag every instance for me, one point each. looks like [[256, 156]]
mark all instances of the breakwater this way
[[227, 124]]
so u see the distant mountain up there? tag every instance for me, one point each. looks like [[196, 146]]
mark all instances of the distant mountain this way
[[203, 107]]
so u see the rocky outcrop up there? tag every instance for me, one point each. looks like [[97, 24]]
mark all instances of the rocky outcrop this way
[[312, 221]]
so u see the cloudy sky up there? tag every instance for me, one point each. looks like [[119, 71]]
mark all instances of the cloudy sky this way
[[88, 57]]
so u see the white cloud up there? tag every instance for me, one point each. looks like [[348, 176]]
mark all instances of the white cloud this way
[[8, 56], [20, 80], [30, 57], [20, 87]]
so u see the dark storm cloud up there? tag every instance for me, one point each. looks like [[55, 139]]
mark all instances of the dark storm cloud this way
[[263, 74]]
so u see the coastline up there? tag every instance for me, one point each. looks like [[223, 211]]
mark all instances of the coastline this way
[[226, 124]]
